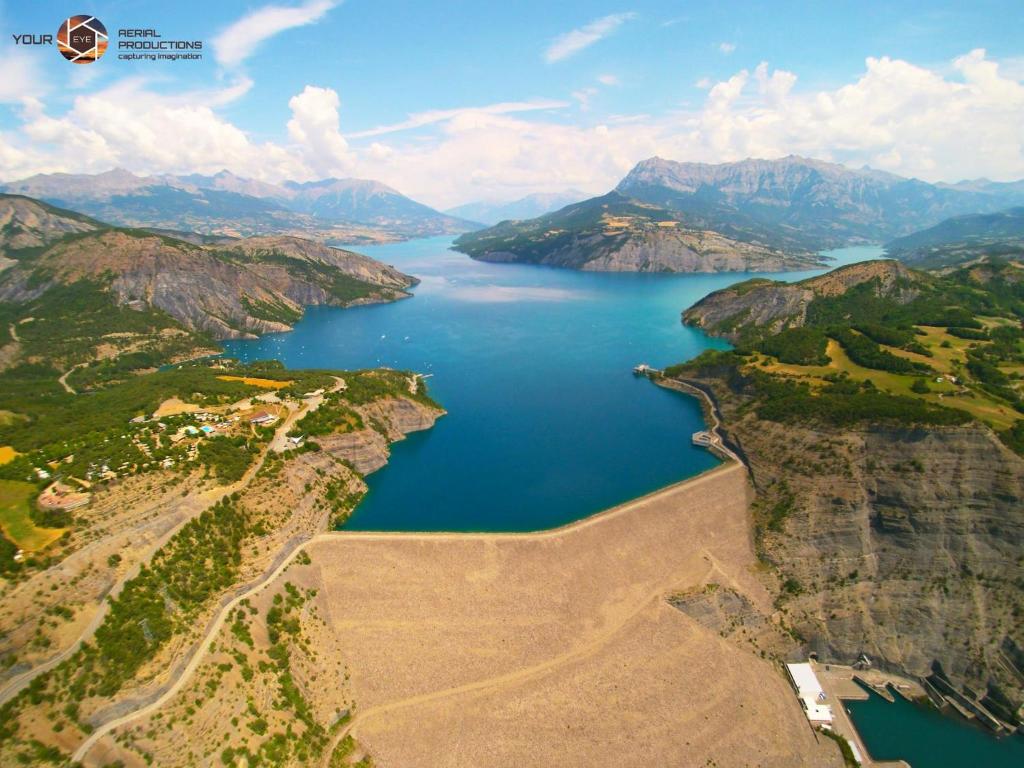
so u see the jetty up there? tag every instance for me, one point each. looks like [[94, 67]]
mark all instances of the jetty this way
[[643, 369]]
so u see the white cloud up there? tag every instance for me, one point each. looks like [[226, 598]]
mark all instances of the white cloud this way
[[314, 128], [958, 121], [727, 48], [430, 117], [238, 41], [571, 43], [609, 80], [21, 75]]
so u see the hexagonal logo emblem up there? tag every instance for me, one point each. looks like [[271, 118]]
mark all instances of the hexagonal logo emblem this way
[[82, 39]]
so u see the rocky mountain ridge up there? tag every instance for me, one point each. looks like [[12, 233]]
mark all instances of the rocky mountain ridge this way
[[236, 290], [226, 204], [616, 234], [793, 206], [825, 204], [775, 306]]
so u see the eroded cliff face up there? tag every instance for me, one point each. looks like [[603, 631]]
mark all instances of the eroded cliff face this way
[[648, 248], [367, 450], [773, 306], [251, 287], [904, 544]]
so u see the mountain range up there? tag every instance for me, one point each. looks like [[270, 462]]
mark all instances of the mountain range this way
[[528, 207], [341, 210], [963, 239], [793, 207]]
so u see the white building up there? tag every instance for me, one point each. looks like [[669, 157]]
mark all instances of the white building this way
[[810, 693]]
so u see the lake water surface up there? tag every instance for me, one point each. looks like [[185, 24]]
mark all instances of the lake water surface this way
[[546, 423]]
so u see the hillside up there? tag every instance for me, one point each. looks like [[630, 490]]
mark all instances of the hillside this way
[[614, 233], [762, 307], [88, 292], [881, 411], [342, 210], [761, 214], [528, 207], [963, 239], [959, 333]]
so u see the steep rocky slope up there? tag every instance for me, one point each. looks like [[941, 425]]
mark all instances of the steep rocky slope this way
[[616, 234], [825, 204], [900, 543], [238, 289], [27, 223], [774, 306]]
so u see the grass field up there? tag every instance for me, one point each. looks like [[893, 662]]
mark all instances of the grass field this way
[[946, 360], [265, 383], [7, 453], [16, 522]]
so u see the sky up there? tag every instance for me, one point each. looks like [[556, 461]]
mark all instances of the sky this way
[[452, 102]]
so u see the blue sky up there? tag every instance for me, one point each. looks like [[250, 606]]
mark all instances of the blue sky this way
[[454, 101]]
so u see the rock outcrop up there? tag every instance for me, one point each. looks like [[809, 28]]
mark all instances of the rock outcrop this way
[[616, 234], [238, 289], [773, 306], [367, 450], [903, 544]]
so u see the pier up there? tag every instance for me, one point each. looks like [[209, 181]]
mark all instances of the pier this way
[[645, 370]]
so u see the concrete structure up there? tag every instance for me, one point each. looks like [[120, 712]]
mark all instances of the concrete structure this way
[[705, 439], [810, 693]]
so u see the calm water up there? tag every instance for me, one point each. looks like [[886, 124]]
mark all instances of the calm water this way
[[546, 422], [927, 739]]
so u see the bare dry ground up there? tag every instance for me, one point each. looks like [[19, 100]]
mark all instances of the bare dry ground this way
[[560, 648]]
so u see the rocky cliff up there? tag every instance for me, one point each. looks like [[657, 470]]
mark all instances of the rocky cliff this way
[[819, 203], [903, 544], [774, 306], [367, 450], [236, 289], [616, 234]]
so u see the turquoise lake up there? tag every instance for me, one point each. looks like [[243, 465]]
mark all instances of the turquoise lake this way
[[925, 738], [546, 422]]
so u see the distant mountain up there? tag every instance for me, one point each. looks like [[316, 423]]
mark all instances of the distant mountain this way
[[772, 213], [58, 263], [370, 202], [615, 233], [825, 204], [528, 207], [343, 210], [963, 239]]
